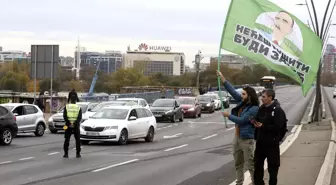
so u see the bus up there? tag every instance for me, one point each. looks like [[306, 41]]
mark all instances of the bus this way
[[269, 82]]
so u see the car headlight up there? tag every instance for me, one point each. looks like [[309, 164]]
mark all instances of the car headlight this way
[[50, 119], [111, 128], [208, 104], [191, 109], [168, 112], [82, 126]]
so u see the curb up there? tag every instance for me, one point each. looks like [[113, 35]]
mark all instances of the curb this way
[[310, 115], [323, 103], [326, 172]]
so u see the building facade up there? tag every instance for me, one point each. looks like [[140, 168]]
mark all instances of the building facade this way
[[328, 62], [9, 56], [110, 61], [155, 59]]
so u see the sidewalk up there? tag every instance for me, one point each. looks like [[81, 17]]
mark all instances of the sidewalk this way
[[301, 163]]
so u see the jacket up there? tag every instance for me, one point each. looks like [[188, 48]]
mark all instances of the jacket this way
[[272, 118], [246, 128], [76, 123]]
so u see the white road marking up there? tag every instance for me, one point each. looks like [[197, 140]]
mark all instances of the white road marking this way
[[27, 158], [53, 153], [115, 165], [231, 128], [169, 126], [175, 124], [174, 148], [208, 137], [6, 162], [172, 136], [159, 128]]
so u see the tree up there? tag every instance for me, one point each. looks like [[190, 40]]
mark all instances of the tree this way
[[45, 85], [31, 84], [73, 84]]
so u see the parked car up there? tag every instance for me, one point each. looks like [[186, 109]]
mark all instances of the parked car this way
[[8, 126], [232, 100], [207, 102], [140, 101], [216, 98], [29, 118], [56, 122], [109, 103], [167, 109], [119, 124], [334, 93]]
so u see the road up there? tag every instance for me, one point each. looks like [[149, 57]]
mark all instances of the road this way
[[196, 152]]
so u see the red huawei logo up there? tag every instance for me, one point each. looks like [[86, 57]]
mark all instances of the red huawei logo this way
[[143, 46]]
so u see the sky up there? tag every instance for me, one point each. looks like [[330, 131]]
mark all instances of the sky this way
[[185, 25]]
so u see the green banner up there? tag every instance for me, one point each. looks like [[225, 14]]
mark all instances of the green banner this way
[[267, 34]]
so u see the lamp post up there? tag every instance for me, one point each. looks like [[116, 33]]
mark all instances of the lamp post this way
[[198, 58], [310, 16]]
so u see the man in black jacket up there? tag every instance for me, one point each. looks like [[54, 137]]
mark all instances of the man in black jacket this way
[[73, 93], [269, 122]]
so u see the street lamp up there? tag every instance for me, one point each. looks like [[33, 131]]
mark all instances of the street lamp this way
[[310, 16]]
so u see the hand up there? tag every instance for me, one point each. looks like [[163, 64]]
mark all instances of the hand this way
[[220, 75], [258, 124], [225, 114]]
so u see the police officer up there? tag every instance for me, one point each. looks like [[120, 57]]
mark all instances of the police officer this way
[[71, 94], [72, 115], [270, 122]]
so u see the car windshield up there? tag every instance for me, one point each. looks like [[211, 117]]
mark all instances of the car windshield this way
[[186, 101], [163, 103], [8, 107], [111, 114], [204, 98], [104, 104], [129, 101]]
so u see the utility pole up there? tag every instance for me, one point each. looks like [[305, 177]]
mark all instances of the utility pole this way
[[198, 58]]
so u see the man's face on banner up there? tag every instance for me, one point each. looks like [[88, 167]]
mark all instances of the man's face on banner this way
[[283, 25]]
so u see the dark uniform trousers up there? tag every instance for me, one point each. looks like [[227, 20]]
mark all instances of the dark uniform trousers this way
[[271, 151], [68, 132]]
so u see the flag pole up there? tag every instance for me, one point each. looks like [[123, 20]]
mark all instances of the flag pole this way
[[218, 63]]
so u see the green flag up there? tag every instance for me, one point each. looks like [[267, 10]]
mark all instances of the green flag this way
[[267, 34]]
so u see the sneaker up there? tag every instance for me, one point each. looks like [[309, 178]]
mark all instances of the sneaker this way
[[78, 156], [65, 156]]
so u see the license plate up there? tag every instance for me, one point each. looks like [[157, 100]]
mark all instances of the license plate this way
[[157, 115], [92, 133], [60, 124], [203, 107]]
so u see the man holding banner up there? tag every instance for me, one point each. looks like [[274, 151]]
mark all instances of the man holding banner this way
[[269, 35]]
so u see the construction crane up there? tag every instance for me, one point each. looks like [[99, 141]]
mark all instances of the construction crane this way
[[94, 80]]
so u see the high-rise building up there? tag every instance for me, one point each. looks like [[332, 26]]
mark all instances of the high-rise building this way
[[328, 64], [155, 59], [9, 56], [110, 61]]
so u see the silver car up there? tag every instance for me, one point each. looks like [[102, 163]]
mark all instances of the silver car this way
[[29, 118]]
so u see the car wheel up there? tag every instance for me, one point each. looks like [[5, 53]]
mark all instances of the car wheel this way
[[181, 119], [54, 131], [200, 114], [173, 118], [6, 136], [150, 135], [84, 142], [123, 138], [39, 130]]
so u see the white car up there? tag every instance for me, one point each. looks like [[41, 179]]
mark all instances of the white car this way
[[140, 101], [119, 124], [29, 118], [334, 93], [108, 103], [216, 98]]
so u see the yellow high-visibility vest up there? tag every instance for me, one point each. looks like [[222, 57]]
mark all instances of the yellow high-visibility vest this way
[[72, 112]]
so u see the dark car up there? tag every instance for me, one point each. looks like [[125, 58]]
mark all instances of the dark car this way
[[8, 126], [190, 106], [167, 109], [207, 103], [232, 100]]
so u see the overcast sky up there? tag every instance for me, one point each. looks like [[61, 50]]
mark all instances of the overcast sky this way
[[185, 25]]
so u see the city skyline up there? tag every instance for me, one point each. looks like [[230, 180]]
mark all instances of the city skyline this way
[[104, 25]]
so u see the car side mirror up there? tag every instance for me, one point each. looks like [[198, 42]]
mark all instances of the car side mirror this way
[[16, 114], [89, 109], [132, 118]]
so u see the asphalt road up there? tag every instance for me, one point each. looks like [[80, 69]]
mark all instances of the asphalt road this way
[[194, 152]]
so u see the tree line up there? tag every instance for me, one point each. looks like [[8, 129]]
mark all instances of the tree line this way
[[15, 76]]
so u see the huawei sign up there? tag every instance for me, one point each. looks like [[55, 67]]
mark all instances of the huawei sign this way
[[145, 47]]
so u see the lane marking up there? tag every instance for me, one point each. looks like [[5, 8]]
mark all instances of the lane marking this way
[[53, 153], [231, 128], [213, 135], [115, 165], [158, 129], [174, 148], [6, 162], [27, 158], [169, 126], [175, 124], [172, 136]]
